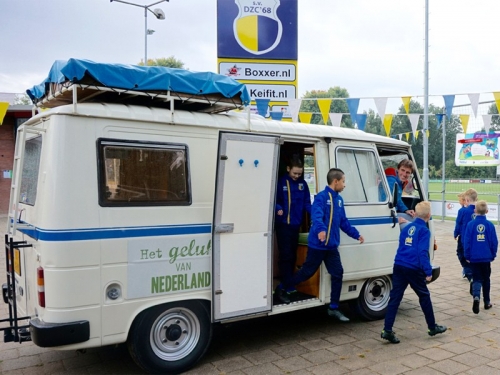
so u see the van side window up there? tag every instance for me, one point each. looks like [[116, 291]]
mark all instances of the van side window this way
[[142, 174], [31, 166], [363, 176]]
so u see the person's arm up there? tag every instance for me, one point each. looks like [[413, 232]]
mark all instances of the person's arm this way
[[494, 242], [279, 197], [458, 223], [423, 251], [317, 213], [307, 199], [466, 243], [346, 226]]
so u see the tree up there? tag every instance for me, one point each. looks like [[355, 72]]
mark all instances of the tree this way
[[336, 106], [23, 99], [169, 62]]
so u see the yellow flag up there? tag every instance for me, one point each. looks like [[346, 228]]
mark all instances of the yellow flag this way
[[406, 103], [496, 95], [407, 135], [464, 119], [305, 117], [416, 135], [3, 110], [427, 133], [324, 108], [387, 124]]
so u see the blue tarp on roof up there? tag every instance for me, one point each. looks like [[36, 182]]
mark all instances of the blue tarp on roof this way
[[141, 78]]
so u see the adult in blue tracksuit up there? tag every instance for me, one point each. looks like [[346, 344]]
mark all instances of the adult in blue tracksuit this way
[[400, 179], [328, 217], [480, 249], [292, 200], [412, 267]]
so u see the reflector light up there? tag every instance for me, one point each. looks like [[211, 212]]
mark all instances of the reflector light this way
[[40, 286]]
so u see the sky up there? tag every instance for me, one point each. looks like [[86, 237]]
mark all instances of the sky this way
[[371, 48]]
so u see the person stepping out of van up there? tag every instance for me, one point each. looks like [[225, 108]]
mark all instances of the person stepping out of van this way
[[412, 267], [328, 217], [292, 200]]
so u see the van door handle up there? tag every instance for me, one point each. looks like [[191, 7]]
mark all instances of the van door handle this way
[[224, 228], [394, 218]]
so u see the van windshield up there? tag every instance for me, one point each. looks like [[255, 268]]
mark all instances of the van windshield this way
[[31, 167]]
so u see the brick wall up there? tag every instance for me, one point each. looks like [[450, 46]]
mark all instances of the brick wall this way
[[7, 145]]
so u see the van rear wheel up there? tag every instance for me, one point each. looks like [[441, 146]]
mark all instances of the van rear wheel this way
[[170, 338], [374, 298]]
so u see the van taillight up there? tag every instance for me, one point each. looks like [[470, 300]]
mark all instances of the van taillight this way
[[40, 286]]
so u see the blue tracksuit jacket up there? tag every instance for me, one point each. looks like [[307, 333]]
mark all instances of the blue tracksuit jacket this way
[[293, 197], [459, 222], [413, 250], [400, 206], [326, 221], [480, 240], [468, 216]]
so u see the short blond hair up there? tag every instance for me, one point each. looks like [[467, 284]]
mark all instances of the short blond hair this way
[[471, 194], [481, 207], [423, 209]]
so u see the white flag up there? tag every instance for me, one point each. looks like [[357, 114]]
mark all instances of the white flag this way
[[414, 122], [487, 123], [381, 104], [335, 118], [294, 106], [474, 103]]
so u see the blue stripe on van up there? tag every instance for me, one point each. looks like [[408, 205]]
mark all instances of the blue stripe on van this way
[[166, 230], [109, 233]]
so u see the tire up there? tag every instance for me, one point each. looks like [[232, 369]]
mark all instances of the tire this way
[[170, 338], [374, 298]]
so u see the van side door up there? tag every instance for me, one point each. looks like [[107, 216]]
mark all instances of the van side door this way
[[243, 219]]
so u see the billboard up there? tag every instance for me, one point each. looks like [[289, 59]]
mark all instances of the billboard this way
[[265, 29], [477, 149]]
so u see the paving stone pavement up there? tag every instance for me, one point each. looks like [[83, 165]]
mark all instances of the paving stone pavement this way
[[308, 342]]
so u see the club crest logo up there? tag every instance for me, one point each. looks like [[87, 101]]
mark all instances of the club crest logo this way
[[480, 228], [257, 28]]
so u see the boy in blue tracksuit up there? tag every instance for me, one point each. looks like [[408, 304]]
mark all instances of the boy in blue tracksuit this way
[[480, 249], [468, 215], [292, 200], [466, 271], [328, 217], [412, 267]]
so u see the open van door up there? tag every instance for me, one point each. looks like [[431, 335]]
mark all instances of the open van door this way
[[243, 218]]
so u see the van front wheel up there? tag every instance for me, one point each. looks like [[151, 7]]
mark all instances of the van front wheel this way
[[374, 298], [170, 338]]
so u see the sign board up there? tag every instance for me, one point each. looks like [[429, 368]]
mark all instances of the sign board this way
[[477, 150]]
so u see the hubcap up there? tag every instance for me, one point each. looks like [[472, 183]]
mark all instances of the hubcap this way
[[377, 292]]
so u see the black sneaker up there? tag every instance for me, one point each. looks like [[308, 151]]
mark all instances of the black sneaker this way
[[282, 295], [488, 306], [389, 336], [475, 305], [337, 314], [437, 329]]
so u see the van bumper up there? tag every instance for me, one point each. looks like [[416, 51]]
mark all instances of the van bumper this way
[[436, 271], [47, 335]]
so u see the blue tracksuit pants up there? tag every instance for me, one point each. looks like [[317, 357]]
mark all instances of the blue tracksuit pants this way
[[401, 278]]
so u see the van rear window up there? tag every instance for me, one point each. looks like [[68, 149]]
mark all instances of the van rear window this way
[[143, 174], [31, 167]]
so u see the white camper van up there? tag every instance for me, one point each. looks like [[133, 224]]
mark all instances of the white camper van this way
[[142, 211]]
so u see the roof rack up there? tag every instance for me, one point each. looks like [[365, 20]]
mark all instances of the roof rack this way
[[78, 81]]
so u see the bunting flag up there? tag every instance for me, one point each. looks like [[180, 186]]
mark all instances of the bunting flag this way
[[387, 124], [324, 108], [276, 115], [407, 136], [400, 136], [448, 103], [305, 117], [439, 117], [487, 123], [294, 107], [465, 121], [415, 136], [336, 119], [353, 104], [381, 104], [414, 122], [427, 133], [262, 106], [496, 95], [474, 103], [406, 103], [361, 121], [3, 111]]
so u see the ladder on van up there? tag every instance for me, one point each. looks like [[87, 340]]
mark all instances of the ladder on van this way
[[14, 222]]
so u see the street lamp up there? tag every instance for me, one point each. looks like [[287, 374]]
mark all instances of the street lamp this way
[[158, 13]]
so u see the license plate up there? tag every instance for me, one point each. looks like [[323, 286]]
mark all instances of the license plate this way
[[17, 261]]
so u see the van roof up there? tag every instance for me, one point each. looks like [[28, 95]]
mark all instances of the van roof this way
[[156, 86], [231, 121]]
